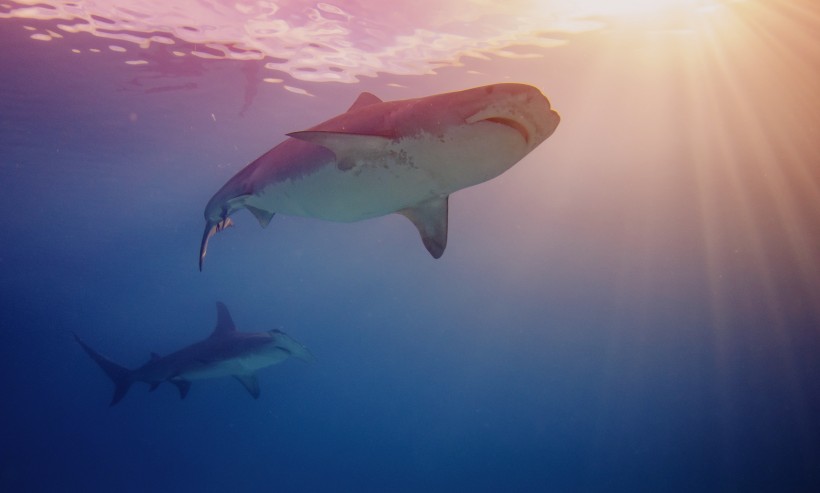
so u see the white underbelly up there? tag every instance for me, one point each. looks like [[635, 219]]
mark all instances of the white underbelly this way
[[345, 196], [235, 366], [404, 174]]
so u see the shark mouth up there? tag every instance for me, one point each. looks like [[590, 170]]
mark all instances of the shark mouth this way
[[500, 120], [211, 229], [508, 122]]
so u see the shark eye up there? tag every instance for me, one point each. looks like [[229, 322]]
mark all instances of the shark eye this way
[[521, 129]]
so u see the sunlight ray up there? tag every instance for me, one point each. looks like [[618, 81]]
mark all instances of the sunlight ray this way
[[752, 199]]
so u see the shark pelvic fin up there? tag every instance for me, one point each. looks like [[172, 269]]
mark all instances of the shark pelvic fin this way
[[430, 218], [364, 99], [183, 385], [250, 382], [261, 215], [119, 375], [348, 148], [224, 322]]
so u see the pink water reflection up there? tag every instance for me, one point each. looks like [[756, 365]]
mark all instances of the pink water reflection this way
[[309, 41]]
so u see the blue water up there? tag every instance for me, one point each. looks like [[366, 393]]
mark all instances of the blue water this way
[[635, 306]]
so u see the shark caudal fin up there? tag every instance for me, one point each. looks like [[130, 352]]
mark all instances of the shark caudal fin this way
[[119, 375], [212, 228]]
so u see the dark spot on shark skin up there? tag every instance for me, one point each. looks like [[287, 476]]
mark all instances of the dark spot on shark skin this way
[[346, 164], [401, 158]]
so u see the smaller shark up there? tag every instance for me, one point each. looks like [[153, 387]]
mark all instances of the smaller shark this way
[[227, 352]]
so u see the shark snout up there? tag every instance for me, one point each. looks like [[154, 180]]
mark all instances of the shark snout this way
[[306, 356], [552, 122], [291, 346], [519, 107]]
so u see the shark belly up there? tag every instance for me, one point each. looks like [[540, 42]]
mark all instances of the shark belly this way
[[243, 365], [374, 189], [402, 174]]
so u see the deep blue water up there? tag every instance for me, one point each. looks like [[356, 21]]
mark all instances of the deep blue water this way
[[632, 307]]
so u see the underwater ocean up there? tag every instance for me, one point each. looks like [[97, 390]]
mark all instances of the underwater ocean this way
[[633, 306]]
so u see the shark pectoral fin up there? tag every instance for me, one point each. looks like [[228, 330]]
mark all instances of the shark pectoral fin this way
[[183, 385], [261, 215], [349, 148], [250, 382], [430, 218]]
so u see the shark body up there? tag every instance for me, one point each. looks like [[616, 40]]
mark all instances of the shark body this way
[[382, 157], [227, 352]]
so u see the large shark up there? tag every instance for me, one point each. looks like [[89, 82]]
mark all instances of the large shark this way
[[227, 352], [382, 157]]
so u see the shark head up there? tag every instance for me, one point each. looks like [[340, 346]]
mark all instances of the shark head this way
[[291, 346], [520, 107], [482, 131]]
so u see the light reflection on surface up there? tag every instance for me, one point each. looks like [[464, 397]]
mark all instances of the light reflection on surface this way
[[341, 41]]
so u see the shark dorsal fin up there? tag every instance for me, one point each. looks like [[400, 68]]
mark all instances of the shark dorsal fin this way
[[364, 99], [224, 323]]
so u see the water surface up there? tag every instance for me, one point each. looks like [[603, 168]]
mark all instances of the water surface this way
[[633, 306]]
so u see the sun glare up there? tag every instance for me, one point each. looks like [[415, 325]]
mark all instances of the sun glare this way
[[638, 10]]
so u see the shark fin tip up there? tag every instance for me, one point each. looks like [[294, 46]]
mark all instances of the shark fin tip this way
[[251, 384], [435, 249], [364, 99], [430, 218]]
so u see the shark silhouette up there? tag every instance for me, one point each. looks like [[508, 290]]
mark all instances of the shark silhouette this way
[[381, 157], [227, 352]]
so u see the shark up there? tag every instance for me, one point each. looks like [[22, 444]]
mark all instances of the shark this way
[[383, 157], [226, 352]]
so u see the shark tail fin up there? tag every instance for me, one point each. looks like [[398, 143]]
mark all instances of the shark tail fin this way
[[119, 375]]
